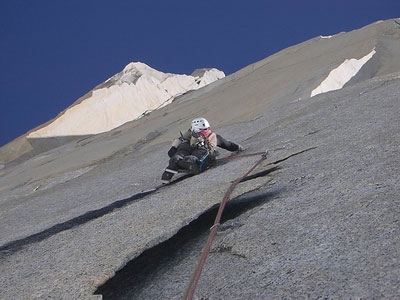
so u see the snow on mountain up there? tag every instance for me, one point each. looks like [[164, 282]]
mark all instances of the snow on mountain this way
[[325, 223], [339, 76], [124, 97]]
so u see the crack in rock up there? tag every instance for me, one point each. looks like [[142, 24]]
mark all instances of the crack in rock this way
[[130, 280]]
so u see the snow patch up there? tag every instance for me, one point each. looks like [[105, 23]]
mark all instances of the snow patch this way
[[124, 97], [339, 76]]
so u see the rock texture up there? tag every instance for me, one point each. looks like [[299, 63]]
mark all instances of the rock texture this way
[[128, 95], [324, 225]]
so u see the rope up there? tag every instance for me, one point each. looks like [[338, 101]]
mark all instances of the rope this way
[[261, 153], [196, 275], [240, 155]]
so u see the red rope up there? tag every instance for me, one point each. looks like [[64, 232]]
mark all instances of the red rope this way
[[196, 275], [240, 155]]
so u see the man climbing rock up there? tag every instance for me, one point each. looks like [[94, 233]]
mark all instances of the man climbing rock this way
[[195, 150]]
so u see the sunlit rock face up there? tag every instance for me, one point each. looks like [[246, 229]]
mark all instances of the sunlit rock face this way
[[126, 96], [325, 223]]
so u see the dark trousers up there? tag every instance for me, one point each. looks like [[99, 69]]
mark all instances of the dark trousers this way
[[225, 144], [193, 160]]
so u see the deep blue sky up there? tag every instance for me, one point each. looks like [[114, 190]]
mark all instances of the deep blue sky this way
[[54, 51]]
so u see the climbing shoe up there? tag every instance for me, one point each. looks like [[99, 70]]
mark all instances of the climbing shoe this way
[[167, 175], [240, 149]]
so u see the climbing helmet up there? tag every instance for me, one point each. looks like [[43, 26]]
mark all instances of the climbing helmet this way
[[199, 124]]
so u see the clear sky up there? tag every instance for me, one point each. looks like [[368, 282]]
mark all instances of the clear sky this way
[[54, 51]]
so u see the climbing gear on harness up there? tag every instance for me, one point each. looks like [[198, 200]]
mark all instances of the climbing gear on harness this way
[[205, 162]]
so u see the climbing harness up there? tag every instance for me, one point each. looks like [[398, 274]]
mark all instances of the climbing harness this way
[[213, 230], [202, 161]]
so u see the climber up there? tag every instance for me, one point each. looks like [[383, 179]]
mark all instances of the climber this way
[[195, 150]]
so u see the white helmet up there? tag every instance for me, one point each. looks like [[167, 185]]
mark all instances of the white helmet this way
[[199, 124]]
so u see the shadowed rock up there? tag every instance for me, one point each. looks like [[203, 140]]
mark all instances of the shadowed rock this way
[[332, 231]]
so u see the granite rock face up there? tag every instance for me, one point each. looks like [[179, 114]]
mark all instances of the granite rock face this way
[[325, 224]]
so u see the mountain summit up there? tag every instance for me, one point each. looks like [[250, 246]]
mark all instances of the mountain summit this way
[[128, 95], [318, 219]]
